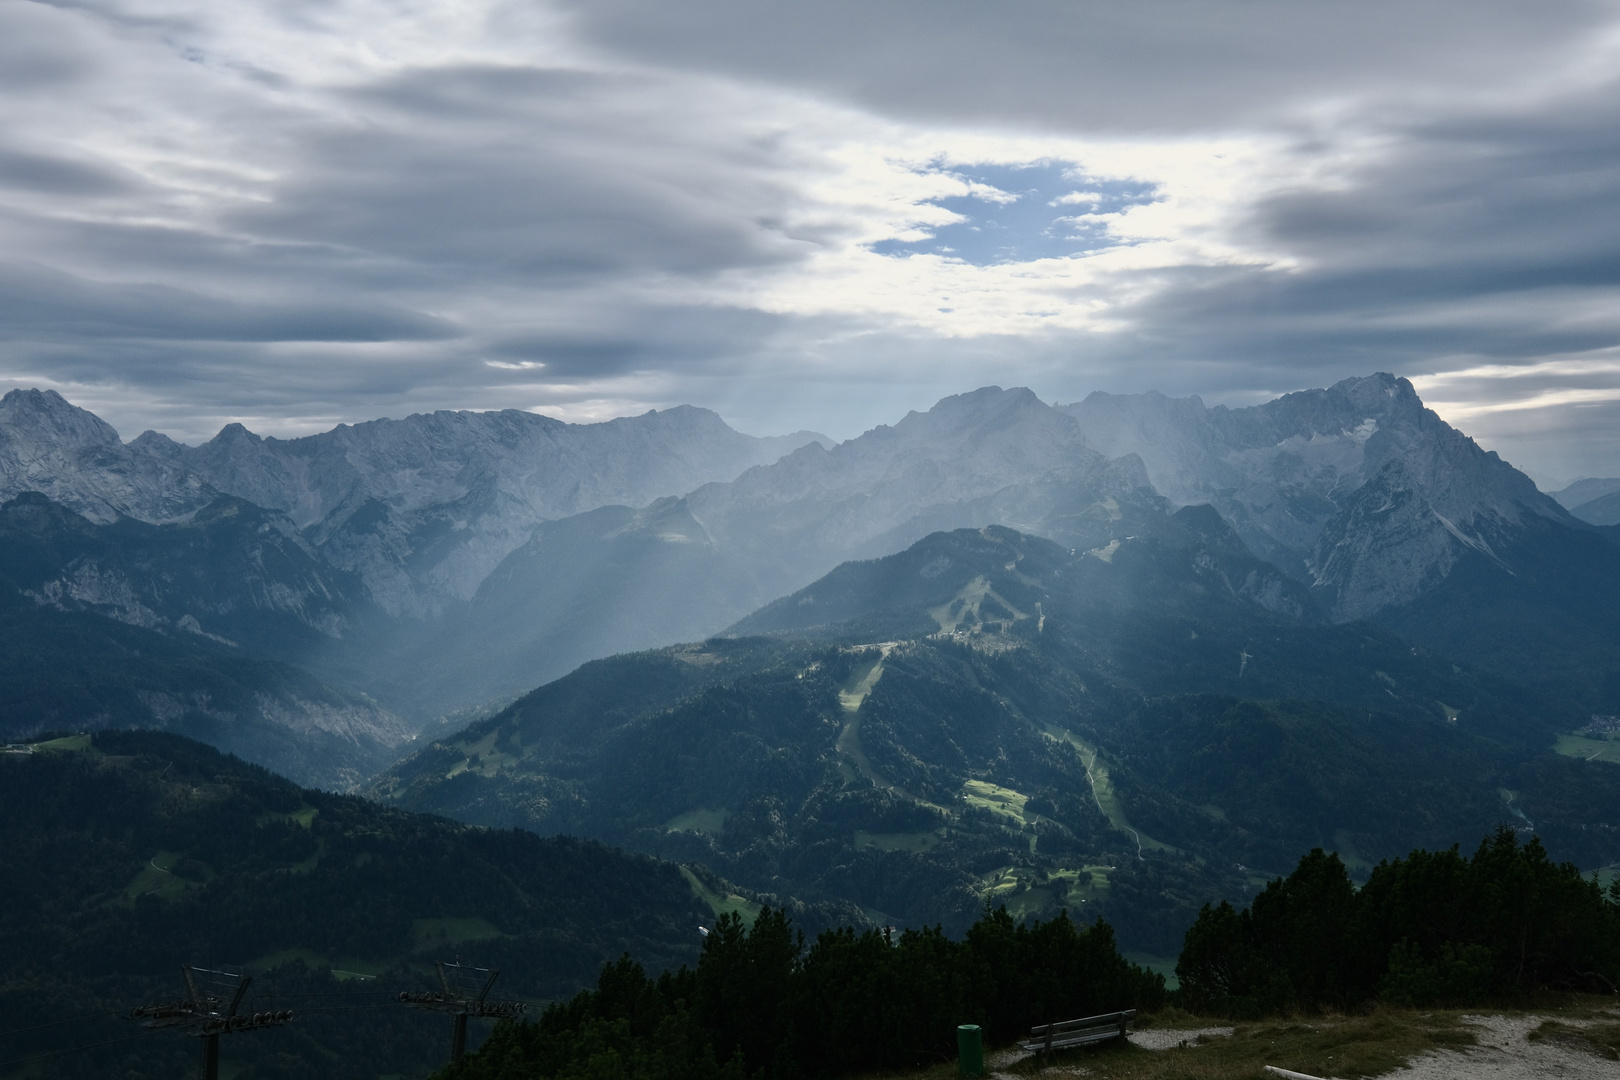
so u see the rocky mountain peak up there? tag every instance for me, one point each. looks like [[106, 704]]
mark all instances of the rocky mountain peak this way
[[45, 416], [1281, 471], [157, 444], [49, 445], [236, 432]]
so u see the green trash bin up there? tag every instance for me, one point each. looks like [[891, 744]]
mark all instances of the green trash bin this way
[[969, 1050]]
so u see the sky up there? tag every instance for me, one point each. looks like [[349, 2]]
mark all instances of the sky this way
[[292, 214]]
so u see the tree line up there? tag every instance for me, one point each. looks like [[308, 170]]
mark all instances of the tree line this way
[[1434, 928], [761, 1004]]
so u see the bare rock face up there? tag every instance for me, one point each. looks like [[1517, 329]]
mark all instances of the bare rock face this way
[[1357, 489], [424, 508], [74, 457]]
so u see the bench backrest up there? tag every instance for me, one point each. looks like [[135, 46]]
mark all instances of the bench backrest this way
[[1112, 1019]]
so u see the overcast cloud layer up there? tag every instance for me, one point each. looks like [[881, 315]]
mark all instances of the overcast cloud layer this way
[[294, 214]]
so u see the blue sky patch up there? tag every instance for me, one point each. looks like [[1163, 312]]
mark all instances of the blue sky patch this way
[[1037, 224]]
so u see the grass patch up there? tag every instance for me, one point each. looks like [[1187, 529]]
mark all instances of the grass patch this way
[[1579, 746], [698, 821], [994, 797], [343, 969], [1102, 789], [730, 903], [483, 757], [1042, 892], [427, 933], [69, 742], [860, 683]]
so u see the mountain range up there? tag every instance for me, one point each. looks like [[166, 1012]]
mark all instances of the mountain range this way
[[1133, 652]]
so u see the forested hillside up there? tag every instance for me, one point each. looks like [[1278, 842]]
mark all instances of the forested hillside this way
[[125, 855]]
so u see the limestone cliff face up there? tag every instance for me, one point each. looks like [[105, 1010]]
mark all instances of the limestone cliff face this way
[[73, 456]]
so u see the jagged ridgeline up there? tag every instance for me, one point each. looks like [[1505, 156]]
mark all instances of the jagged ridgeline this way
[[125, 854], [1130, 729]]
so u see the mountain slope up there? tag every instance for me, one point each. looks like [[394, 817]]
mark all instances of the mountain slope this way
[[77, 671], [990, 715], [1388, 513], [230, 572]]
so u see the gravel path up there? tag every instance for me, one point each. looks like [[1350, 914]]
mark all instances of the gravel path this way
[[1166, 1038], [1505, 1054]]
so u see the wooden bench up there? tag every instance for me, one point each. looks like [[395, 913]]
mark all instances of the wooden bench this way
[[1091, 1029]]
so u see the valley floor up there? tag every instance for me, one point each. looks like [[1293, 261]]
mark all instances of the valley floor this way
[[1579, 1041]]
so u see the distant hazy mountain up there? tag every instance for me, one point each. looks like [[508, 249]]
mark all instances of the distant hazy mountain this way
[[1586, 490], [444, 560], [1603, 510], [424, 508]]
